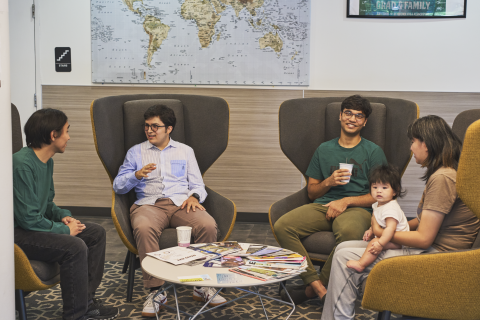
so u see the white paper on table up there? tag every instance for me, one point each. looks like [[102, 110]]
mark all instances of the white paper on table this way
[[177, 255]]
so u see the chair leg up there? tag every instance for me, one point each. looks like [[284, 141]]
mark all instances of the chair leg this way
[[20, 305], [127, 260], [131, 277], [384, 315]]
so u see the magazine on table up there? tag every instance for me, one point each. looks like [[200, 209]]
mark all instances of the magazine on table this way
[[290, 258], [177, 255], [259, 274], [222, 248], [231, 261], [289, 266], [267, 251]]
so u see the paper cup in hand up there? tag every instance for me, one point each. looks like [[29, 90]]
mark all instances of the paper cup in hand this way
[[348, 166], [183, 236]]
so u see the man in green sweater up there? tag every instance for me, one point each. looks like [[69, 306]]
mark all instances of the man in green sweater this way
[[341, 202], [50, 234]]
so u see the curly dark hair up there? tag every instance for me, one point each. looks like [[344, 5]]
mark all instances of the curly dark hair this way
[[166, 115], [359, 103]]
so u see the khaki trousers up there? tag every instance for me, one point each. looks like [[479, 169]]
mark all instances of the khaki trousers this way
[[149, 221], [310, 218]]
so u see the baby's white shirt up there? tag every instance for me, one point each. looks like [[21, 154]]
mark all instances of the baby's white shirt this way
[[390, 210]]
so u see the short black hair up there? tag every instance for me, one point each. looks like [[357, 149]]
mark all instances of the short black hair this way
[[166, 115], [387, 173], [41, 123], [359, 103]]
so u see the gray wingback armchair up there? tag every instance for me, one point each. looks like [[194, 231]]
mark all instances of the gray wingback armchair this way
[[202, 123], [306, 123]]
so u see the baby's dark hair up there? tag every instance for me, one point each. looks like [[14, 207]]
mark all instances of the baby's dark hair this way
[[387, 173]]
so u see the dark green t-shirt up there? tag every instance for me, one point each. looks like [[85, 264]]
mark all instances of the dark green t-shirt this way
[[33, 194], [327, 159]]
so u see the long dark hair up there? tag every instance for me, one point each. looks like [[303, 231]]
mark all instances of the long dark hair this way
[[443, 145]]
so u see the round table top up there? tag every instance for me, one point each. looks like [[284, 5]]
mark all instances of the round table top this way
[[170, 273]]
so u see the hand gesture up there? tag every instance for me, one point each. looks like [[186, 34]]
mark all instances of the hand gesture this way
[[368, 235], [335, 208], [337, 176], [67, 220], [75, 227], [192, 203], [376, 247], [143, 173]]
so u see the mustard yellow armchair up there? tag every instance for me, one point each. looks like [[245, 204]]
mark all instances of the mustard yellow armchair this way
[[441, 285]]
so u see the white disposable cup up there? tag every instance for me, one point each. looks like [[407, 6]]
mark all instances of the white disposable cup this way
[[348, 166], [183, 236]]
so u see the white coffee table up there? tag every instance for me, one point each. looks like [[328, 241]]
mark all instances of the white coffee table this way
[[170, 273]]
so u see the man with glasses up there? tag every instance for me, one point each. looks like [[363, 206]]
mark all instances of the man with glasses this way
[[170, 190], [341, 201]]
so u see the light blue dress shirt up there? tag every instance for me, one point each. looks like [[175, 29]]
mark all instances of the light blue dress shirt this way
[[176, 177]]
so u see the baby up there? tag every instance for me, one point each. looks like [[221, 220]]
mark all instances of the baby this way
[[385, 186]]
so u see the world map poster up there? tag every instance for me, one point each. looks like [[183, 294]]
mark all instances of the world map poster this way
[[233, 42]]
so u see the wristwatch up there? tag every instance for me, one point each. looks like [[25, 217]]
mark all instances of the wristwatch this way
[[196, 196]]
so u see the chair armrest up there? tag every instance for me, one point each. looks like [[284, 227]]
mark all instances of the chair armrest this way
[[442, 285], [25, 277], [287, 204], [223, 210], [121, 220]]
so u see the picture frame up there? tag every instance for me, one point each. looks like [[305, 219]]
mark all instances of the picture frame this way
[[407, 9]]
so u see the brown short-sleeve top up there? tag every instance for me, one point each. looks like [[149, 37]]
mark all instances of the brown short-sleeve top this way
[[460, 226]]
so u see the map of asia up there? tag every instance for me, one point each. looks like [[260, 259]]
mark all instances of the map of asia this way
[[234, 42]]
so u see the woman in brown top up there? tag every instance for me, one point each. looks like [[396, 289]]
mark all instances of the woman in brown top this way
[[443, 222]]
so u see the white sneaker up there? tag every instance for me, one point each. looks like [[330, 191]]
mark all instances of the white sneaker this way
[[204, 294], [148, 310]]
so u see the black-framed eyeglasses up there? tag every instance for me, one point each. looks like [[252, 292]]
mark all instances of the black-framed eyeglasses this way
[[153, 126], [358, 116]]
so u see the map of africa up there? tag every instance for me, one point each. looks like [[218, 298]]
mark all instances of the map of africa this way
[[234, 42]]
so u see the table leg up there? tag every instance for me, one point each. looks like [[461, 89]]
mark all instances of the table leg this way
[[176, 301], [259, 297], [200, 311], [288, 295]]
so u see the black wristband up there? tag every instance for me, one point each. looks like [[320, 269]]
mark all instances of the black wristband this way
[[196, 196]]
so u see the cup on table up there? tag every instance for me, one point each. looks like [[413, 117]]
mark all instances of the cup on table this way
[[183, 236], [348, 166]]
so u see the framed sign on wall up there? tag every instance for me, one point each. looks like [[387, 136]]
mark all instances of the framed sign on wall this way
[[406, 9]]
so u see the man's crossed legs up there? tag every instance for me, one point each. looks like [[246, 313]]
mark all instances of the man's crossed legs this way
[[148, 223]]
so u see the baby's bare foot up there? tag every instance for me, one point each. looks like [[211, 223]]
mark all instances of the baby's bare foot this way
[[355, 265]]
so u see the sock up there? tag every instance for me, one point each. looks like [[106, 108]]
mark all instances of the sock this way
[[155, 288]]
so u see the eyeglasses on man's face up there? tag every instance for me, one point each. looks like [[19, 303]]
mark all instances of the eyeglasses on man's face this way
[[357, 116], [153, 126]]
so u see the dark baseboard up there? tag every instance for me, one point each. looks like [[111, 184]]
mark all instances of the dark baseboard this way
[[89, 211], [106, 212], [252, 217]]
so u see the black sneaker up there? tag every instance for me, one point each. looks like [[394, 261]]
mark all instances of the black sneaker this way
[[98, 311]]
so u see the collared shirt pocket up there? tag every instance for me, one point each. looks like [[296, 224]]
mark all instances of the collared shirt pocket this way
[[178, 167]]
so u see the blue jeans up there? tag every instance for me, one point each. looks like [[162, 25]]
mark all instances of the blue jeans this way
[[81, 259]]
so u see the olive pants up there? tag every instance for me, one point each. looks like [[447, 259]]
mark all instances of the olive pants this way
[[310, 218]]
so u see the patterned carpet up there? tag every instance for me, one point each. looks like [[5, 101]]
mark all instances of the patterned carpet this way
[[47, 304]]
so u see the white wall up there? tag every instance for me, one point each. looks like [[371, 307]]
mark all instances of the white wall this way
[[7, 268], [346, 54]]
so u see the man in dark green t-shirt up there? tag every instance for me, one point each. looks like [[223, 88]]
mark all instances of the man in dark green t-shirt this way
[[341, 201]]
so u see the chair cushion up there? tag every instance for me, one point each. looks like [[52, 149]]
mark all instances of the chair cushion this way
[[48, 273], [319, 243], [133, 120], [373, 131]]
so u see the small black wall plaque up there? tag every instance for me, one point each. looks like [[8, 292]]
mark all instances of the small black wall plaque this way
[[63, 59]]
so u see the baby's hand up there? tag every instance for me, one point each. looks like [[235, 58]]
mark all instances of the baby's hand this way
[[376, 247], [368, 235]]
